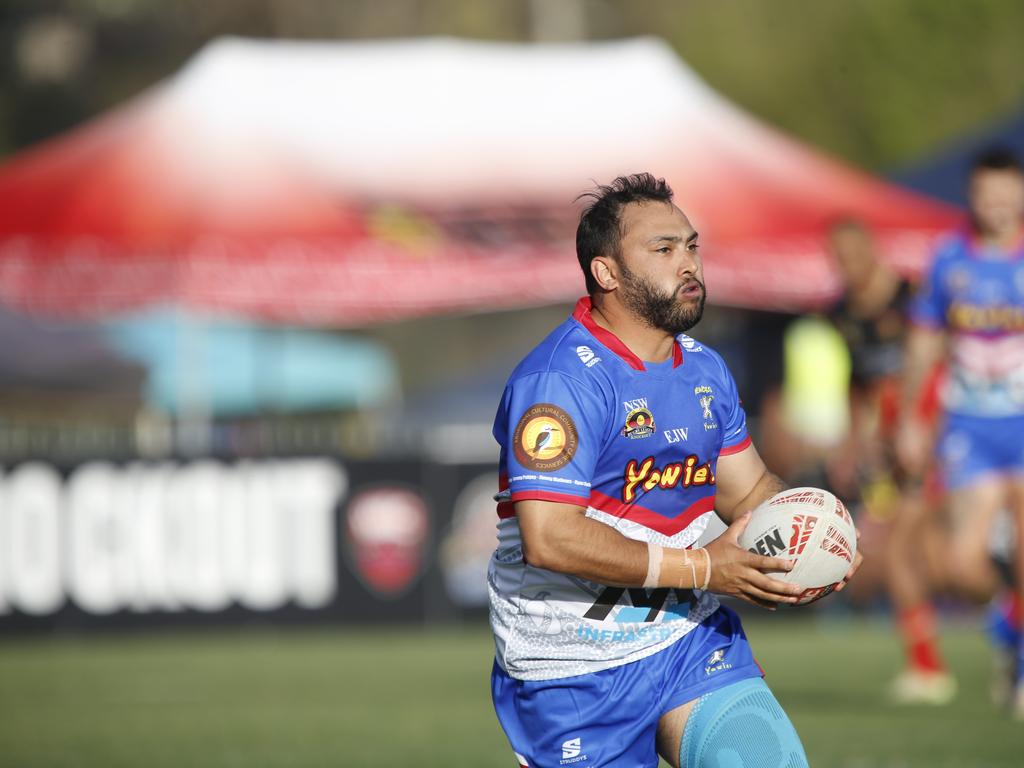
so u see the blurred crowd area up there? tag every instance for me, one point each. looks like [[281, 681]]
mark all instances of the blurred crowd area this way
[[136, 442]]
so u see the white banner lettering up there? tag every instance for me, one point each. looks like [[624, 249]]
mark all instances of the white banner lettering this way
[[161, 537], [31, 509]]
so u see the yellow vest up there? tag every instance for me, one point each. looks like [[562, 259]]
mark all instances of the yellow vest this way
[[816, 381]]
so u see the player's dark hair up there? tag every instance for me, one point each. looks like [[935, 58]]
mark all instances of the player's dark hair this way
[[600, 230], [996, 159]]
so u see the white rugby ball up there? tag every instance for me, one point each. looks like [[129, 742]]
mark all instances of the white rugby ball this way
[[808, 525]]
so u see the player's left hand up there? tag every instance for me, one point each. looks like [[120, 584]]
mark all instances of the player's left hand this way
[[857, 560], [745, 575]]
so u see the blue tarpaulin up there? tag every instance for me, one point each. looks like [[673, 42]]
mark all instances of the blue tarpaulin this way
[[233, 367]]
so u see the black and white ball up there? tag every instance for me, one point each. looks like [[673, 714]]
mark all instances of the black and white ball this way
[[810, 526]]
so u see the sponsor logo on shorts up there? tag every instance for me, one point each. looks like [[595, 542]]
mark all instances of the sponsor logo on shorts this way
[[716, 662], [587, 356], [545, 439], [572, 752], [639, 423]]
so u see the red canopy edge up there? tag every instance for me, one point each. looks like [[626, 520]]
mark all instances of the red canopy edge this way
[[341, 283]]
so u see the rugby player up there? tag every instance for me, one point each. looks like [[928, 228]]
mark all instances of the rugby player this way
[[620, 437], [970, 313], [871, 314]]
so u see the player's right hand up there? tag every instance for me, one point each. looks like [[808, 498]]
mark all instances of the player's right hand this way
[[744, 575]]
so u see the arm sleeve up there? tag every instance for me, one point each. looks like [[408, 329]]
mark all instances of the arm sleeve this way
[[550, 428], [928, 306], [734, 424]]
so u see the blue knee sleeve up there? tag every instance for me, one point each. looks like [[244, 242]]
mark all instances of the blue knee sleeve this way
[[740, 726]]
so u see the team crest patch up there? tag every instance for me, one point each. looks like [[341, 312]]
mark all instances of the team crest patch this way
[[639, 423], [545, 439]]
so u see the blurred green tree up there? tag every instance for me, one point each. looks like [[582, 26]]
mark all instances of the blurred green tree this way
[[877, 82]]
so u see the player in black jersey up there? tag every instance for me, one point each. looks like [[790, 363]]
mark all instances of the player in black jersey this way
[[871, 315]]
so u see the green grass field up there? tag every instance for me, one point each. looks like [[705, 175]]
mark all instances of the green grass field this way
[[404, 698]]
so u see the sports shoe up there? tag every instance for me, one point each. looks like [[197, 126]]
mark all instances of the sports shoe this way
[[1017, 708], [1004, 677], [1001, 623], [916, 687]]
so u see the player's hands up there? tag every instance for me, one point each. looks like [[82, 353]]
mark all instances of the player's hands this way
[[857, 560], [742, 574]]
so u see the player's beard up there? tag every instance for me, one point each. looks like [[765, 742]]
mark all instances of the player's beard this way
[[665, 311]]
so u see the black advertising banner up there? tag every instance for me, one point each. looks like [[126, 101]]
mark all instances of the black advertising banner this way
[[206, 542]]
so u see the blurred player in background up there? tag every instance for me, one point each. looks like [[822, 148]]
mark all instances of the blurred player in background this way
[[871, 315], [970, 312], [619, 437]]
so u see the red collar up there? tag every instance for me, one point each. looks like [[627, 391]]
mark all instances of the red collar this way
[[613, 342]]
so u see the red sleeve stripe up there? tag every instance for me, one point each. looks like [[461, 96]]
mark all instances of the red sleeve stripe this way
[[730, 449], [506, 509], [558, 498]]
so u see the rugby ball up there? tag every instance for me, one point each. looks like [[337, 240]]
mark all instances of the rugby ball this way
[[810, 526]]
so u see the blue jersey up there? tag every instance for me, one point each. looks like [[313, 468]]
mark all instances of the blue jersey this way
[[584, 421], [976, 294]]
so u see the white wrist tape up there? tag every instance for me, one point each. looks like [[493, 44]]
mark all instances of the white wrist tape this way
[[693, 570], [655, 553], [707, 573]]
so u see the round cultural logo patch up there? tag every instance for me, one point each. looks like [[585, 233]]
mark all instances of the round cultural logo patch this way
[[545, 439], [639, 423]]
